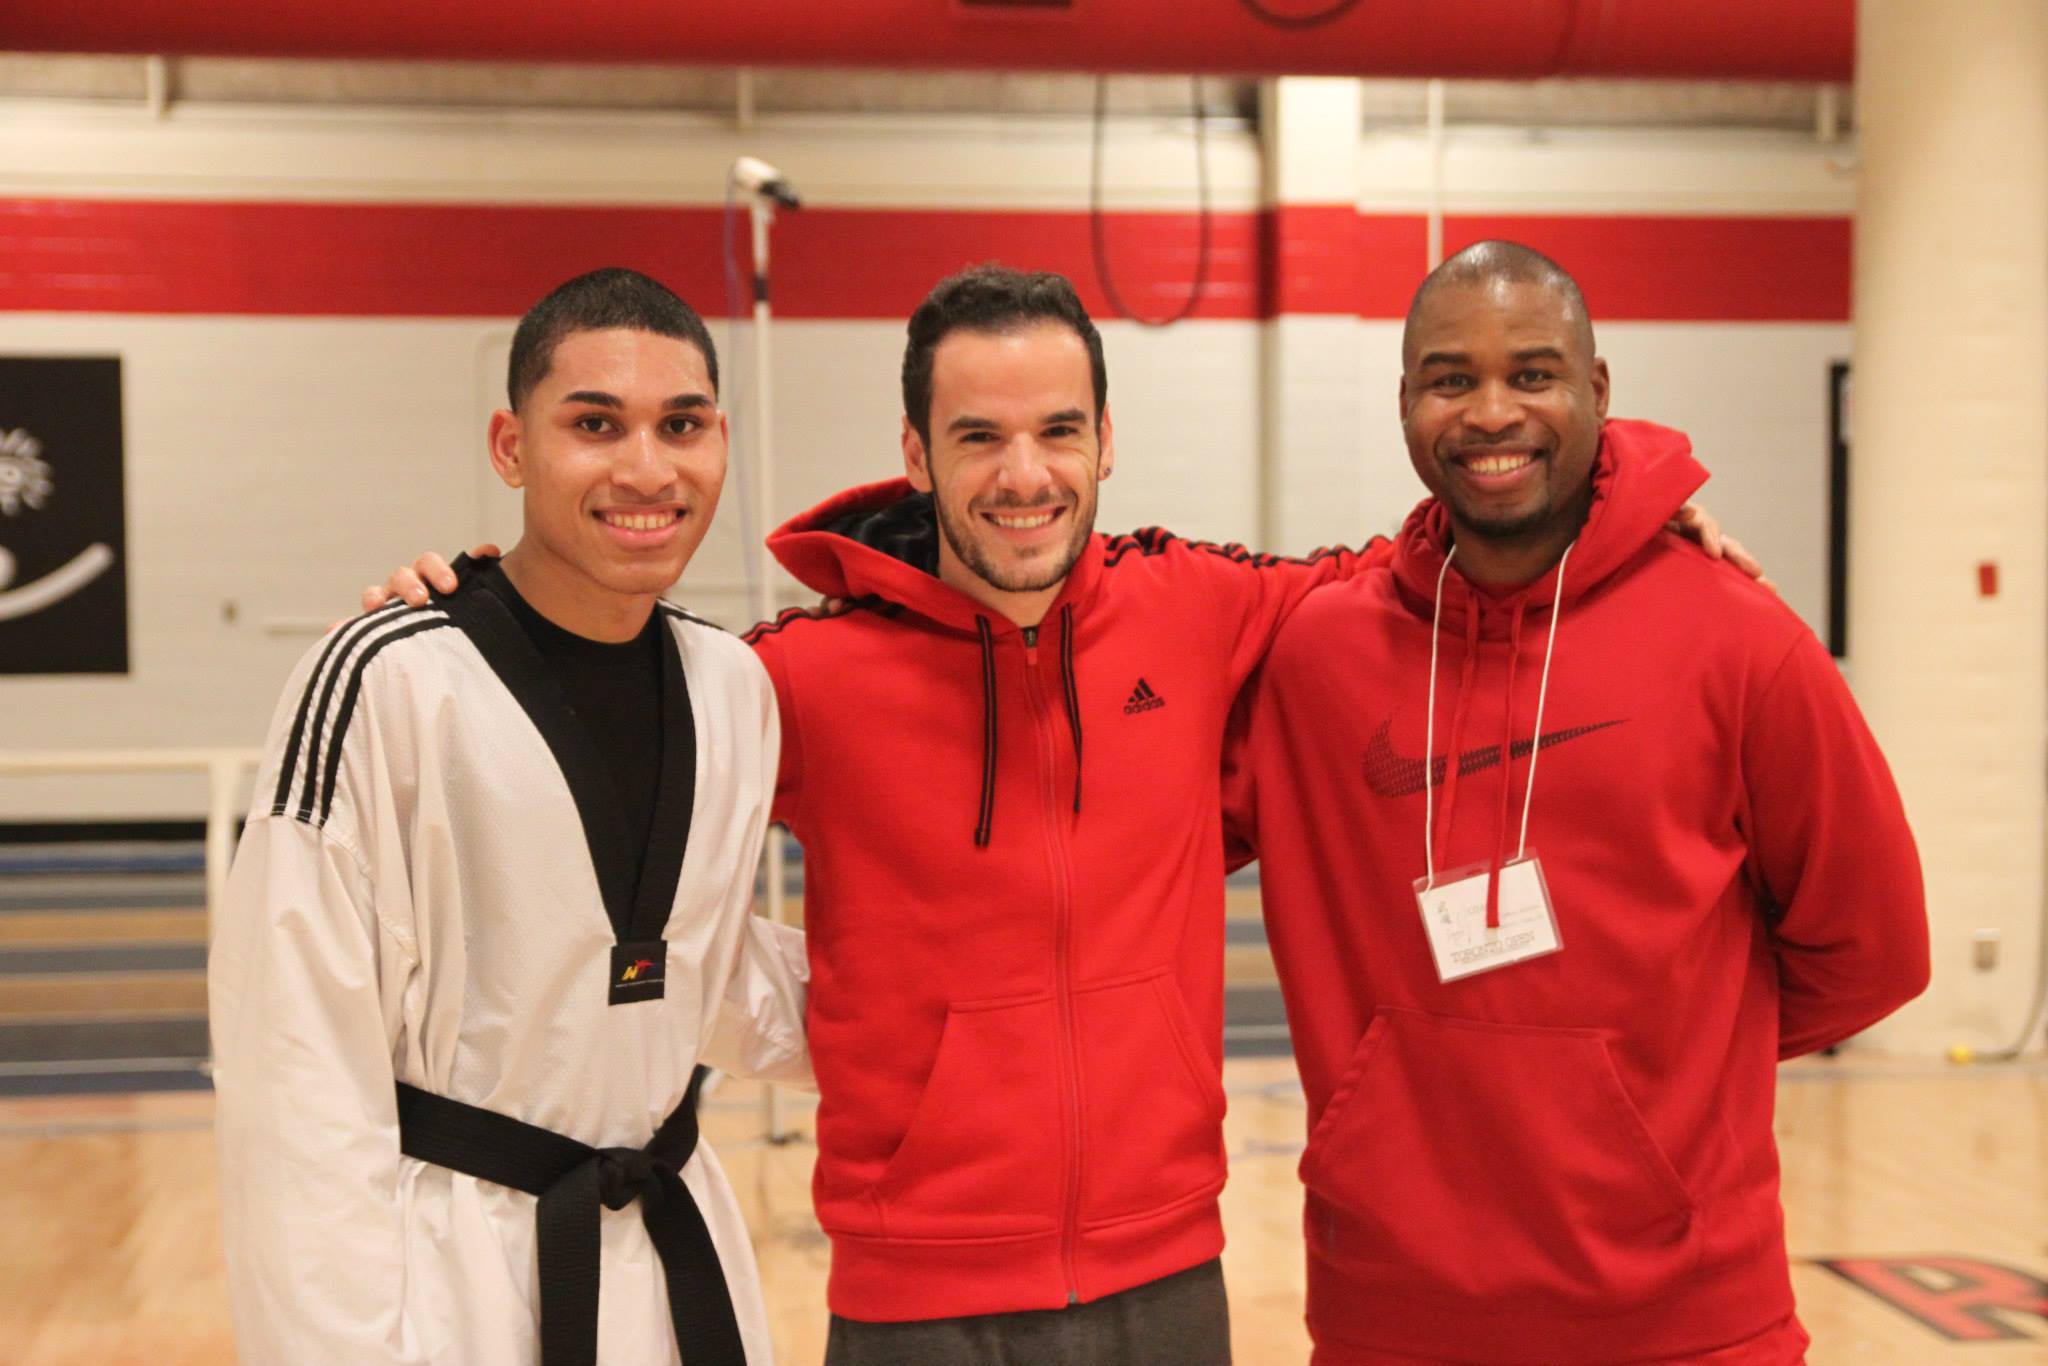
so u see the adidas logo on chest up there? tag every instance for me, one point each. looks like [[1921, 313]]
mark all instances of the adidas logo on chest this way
[[1143, 699]]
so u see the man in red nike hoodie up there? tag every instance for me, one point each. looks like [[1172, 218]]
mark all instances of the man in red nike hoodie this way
[[1537, 1005]]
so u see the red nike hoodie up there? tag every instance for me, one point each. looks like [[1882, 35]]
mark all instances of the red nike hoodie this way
[[1568, 1159], [1013, 864]]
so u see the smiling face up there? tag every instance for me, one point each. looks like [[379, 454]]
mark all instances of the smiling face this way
[[1013, 463], [1501, 402], [619, 452]]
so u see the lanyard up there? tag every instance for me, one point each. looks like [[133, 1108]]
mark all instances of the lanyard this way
[[1507, 759]]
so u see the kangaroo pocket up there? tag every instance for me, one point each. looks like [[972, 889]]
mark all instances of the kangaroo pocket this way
[[981, 1155], [1474, 1161], [1152, 1100]]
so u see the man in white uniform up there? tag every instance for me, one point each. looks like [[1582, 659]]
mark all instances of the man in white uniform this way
[[492, 908]]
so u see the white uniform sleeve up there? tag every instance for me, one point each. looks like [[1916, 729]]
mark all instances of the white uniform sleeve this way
[[306, 1116], [759, 1029]]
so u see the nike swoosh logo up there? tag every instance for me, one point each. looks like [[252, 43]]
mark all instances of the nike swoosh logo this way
[[1395, 775]]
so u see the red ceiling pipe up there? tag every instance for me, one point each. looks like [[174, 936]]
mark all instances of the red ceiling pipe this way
[[1699, 39]]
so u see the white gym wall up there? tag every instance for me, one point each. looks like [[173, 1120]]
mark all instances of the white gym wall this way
[[277, 462]]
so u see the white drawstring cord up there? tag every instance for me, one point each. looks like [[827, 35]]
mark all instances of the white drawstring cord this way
[[1429, 732], [1542, 692]]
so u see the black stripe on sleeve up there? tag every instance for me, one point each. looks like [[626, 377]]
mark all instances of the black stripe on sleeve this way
[[789, 616], [348, 707], [1152, 540], [350, 633], [322, 714]]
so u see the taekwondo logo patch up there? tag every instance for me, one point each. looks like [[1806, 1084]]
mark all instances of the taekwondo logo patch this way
[[63, 577], [1142, 698], [637, 971]]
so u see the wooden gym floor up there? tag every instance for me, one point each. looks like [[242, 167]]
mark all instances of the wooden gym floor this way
[[1926, 1185]]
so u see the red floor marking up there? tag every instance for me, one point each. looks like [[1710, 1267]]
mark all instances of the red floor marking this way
[[1962, 1299]]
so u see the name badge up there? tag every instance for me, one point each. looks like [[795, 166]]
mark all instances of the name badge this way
[[1454, 916], [637, 971]]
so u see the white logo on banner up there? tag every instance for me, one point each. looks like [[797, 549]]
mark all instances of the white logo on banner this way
[[24, 474], [26, 483]]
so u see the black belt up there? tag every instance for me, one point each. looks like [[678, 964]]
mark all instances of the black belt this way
[[572, 1179]]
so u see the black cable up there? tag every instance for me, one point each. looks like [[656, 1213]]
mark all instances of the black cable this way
[[1300, 21], [1098, 237]]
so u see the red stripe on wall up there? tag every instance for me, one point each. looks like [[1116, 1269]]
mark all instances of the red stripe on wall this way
[[487, 260], [853, 263], [1688, 269], [1330, 259], [441, 260]]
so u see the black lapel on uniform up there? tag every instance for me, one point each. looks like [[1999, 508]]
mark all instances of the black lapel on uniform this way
[[662, 870], [504, 644]]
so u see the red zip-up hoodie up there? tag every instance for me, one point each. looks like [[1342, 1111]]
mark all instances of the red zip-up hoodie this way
[[1568, 1159], [1013, 866]]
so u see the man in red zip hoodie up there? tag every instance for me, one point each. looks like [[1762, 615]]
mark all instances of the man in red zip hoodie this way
[[1003, 764], [1537, 1005]]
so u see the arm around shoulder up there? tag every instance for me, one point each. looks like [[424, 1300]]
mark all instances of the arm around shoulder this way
[[1255, 593], [769, 649]]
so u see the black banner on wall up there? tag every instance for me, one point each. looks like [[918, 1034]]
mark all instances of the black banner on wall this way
[[63, 547]]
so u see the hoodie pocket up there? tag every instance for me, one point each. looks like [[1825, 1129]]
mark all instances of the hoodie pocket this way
[[980, 1157], [1152, 1101], [1478, 1161]]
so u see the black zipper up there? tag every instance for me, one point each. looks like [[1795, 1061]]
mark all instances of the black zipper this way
[[1063, 987]]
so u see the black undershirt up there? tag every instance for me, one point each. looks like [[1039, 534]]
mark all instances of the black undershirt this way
[[615, 691]]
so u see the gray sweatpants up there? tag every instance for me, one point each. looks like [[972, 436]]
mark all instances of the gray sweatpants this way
[[1178, 1320]]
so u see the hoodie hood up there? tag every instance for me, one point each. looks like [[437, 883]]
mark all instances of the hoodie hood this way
[[1642, 475], [882, 541]]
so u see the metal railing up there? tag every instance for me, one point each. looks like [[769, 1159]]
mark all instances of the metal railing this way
[[223, 768]]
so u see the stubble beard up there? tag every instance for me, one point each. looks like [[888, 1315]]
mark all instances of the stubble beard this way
[[1027, 577], [1495, 528]]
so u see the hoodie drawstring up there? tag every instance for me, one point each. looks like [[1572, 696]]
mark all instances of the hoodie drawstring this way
[[1070, 690], [1507, 768], [986, 823], [1429, 774], [1543, 696], [1073, 691]]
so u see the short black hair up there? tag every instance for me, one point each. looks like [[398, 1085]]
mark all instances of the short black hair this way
[[1498, 260], [611, 297], [992, 298]]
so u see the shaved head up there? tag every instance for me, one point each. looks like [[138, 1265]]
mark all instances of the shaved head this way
[[1502, 400], [1488, 265]]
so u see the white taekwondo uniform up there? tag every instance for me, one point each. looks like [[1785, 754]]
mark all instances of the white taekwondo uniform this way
[[438, 889]]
